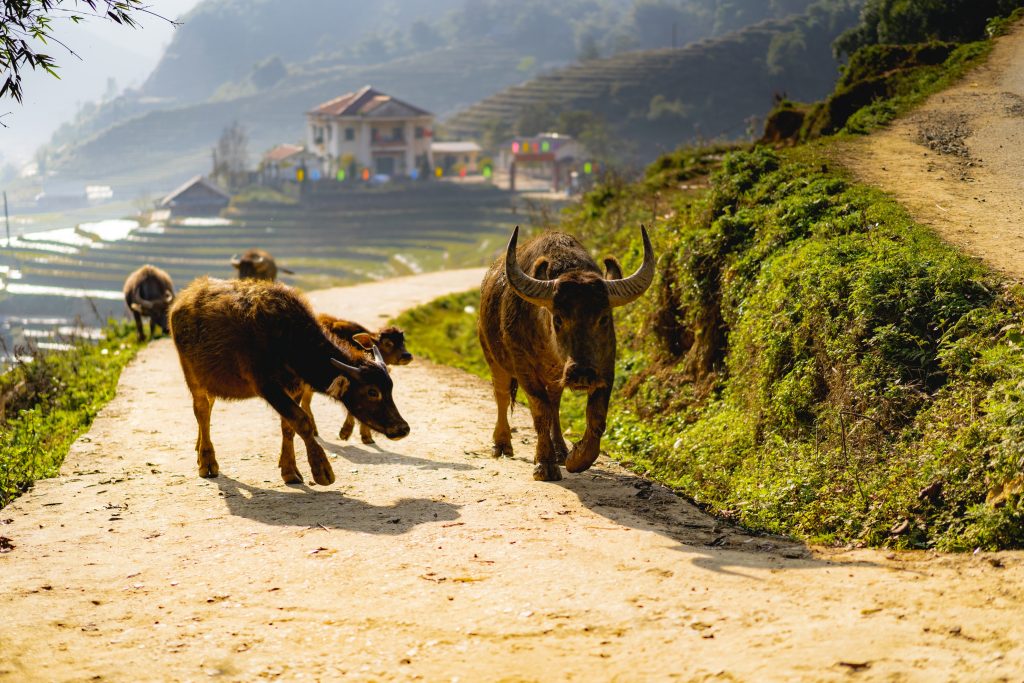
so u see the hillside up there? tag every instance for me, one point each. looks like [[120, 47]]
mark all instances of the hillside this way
[[255, 63], [155, 149], [656, 100]]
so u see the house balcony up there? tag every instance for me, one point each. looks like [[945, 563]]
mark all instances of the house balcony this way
[[387, 143]]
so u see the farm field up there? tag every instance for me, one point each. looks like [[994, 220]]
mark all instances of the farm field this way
[[54, 277]]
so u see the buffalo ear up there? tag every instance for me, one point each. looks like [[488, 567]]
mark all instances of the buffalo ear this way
[[540, 268], [612, 269], [364, 340]]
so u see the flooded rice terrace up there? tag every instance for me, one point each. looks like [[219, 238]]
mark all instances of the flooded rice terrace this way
[[60, 283]]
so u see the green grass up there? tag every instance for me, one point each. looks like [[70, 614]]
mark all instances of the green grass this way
[[51, 400], [810, 361]]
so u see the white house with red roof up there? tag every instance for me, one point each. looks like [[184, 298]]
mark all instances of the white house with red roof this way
[[371, 133]]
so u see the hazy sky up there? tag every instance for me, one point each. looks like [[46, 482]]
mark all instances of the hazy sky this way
[[106, 50]]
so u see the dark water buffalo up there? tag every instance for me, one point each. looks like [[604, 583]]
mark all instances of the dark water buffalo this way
[[552, 330], [244, 338], [257, 264], [149, 292], [390, 341]]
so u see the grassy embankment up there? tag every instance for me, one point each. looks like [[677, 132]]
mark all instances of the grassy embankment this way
[[810, 360], [46, 403]]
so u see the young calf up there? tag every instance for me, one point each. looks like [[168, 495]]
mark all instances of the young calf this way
[[257, 264], [390, 341], [149, 292], [243, 338]]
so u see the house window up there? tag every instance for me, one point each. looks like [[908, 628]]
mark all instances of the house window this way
[[396, 134], [318, 135], [419, 132], [350, 134]]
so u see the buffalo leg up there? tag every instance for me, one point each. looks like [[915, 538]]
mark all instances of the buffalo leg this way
[[289, 470], [202, 406], [545, 462], [557, 439], [138, 326], [152, 329], [502, 383], [299, 421], [307, 405], [365, 433], [585, 452], [346, 429]]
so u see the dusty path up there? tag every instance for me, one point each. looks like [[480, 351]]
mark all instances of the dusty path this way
[[958, 162], [428, 560]]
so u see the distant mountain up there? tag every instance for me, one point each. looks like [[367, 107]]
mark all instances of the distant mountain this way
[[653, 101], [265, 62]]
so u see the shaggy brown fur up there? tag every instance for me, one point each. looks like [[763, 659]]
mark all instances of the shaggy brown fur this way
[[566, 343], [390, 341], [149, 292], [243, 338]]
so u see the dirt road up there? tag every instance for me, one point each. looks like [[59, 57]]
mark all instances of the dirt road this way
[[428, 560], [958, 162]]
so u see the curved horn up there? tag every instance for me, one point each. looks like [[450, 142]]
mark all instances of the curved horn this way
[[622, 292], [285, 270], [258, 260], [168, 296], [342, 366], [379, 358], [236, 260], [537, 292]]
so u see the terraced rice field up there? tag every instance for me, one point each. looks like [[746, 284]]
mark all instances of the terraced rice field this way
[[50, 279]]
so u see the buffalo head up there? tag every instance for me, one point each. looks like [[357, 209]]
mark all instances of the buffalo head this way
[[580, 304], [367, 394]]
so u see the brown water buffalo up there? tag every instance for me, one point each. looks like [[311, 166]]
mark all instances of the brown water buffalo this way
[[243, 338], [552, 330], [257, 264], [149, 292], [391, 343]]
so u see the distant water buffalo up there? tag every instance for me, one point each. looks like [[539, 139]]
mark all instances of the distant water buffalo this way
[[391, 343], [257, 264], [245, 338], [149, 292], [553, 330]]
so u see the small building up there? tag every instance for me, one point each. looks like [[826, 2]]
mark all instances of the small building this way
[[196, 197], [452, 156], [552, 157], [370, 132], [283, 162]]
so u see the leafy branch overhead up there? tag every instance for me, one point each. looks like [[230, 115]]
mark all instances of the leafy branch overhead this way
[[27, 29]]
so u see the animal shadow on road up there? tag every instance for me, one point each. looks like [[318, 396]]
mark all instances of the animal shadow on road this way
[[301, 506], [379, 456], [638, 503]]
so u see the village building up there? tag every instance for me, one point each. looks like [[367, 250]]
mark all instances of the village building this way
[[455, 156], [196, 197], [370, 133], [556, 158], [284, 163]]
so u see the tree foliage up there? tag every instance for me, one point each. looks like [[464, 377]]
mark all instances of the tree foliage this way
[[917, 21], [26, 29]]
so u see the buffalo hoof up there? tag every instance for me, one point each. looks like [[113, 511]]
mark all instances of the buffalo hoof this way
[[368, 439], [291, 477], [580, 460], [547, 472], [345, 432], [499, 450], [322, 473], [209, 470]]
